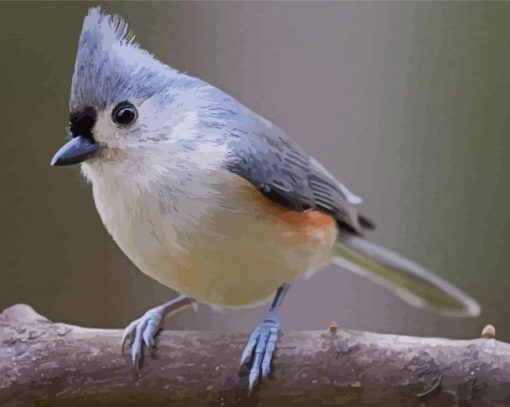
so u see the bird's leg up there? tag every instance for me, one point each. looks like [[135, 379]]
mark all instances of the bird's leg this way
[[142, 331], [262, 342]]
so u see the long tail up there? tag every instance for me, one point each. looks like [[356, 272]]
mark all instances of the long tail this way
[[410, 281]]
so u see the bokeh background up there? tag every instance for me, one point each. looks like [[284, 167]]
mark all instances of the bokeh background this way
[[407, 103]]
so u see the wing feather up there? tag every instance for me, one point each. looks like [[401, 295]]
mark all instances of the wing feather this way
[[285, 173]]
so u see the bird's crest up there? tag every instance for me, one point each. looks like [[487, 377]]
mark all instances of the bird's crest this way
[[110, 66], [113, 27]]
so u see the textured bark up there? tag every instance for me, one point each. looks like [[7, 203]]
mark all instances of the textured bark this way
[[44, 363]]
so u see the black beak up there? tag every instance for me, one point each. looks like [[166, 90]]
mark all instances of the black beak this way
[[75, 151]]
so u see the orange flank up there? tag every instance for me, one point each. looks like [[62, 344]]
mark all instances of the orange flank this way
[[309, 220], [303, 227], [294, 227]]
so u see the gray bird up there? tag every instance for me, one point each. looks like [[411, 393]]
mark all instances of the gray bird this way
[[212, 200]]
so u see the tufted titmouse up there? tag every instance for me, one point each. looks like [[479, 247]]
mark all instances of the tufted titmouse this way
[[212, 200]]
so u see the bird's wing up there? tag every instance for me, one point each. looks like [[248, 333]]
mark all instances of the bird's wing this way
[[282, 171], [286, 174]]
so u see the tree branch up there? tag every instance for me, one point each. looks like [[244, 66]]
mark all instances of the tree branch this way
[[45, 363]]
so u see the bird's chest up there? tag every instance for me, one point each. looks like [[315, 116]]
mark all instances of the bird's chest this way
[[211, 238], [176, 230], [136, 214]]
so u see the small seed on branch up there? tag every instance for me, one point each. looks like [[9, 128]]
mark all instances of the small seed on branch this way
[[489, 332]]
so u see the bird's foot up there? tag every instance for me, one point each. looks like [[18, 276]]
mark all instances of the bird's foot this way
[[260, 349], [142, 332]]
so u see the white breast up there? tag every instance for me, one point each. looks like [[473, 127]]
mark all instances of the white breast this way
[[190, 228]]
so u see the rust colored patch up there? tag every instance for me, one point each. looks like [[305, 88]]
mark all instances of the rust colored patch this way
[[308, 219], [298, 227]]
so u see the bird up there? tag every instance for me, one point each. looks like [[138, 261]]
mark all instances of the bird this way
[[211, 199]]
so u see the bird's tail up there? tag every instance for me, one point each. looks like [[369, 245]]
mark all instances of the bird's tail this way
[[410, 281]]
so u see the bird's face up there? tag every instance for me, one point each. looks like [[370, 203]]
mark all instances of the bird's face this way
[[120, 102], [118, 131]]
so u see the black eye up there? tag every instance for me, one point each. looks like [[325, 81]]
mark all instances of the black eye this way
[[124, 113]]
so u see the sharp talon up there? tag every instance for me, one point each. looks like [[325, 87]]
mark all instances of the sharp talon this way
[[124, 340], [128, 334], [136, 372], [252, 382]]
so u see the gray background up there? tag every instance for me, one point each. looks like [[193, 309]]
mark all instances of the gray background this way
[[407, 103]]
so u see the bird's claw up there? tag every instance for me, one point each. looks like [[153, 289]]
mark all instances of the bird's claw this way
[[260, 348], [142, 333]]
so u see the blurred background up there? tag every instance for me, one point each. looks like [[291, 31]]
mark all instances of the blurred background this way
[[407, 103]]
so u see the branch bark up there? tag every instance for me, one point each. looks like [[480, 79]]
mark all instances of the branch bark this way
[[54, 364]]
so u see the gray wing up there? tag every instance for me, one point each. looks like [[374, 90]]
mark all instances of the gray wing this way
[[286, 174]]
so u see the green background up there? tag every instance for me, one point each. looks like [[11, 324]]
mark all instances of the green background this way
[[407, 103]]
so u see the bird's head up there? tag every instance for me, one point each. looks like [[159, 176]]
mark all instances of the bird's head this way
[[123, 101]]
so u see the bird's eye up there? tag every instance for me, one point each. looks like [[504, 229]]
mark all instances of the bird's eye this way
[[124, 113]]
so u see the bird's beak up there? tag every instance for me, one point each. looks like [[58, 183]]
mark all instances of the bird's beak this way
[[75, 151]]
